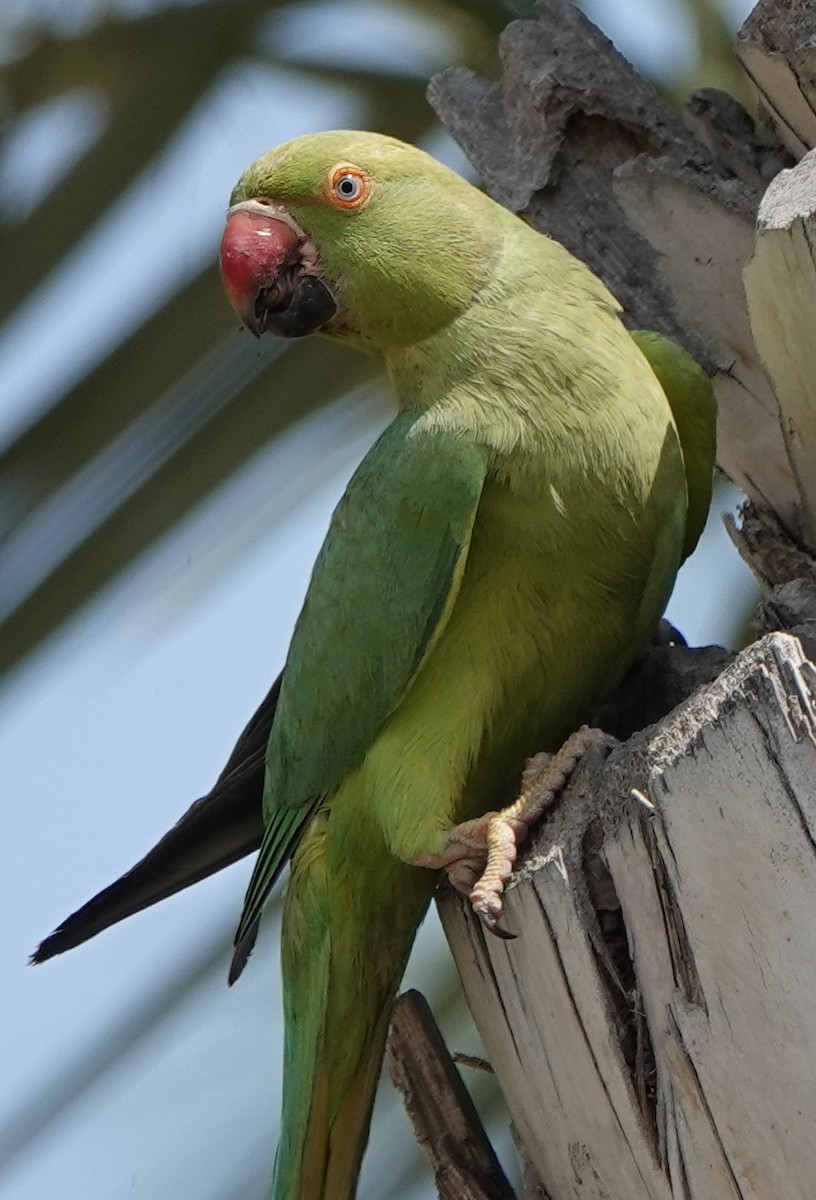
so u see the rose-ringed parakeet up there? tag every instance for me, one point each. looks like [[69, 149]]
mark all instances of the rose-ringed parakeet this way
[[499, 559]]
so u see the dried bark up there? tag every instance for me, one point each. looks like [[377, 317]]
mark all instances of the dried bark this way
[[654, 1014], [777, 49], [780, 283], [445, 1121]]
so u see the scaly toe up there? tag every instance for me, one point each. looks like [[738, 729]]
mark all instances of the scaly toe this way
[[488, 905], [544, 777], [487, 894]]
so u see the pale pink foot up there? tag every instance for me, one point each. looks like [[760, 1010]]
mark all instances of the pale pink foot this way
[[479, 855]]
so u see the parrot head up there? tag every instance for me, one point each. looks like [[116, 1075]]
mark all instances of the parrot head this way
[[357, 236]]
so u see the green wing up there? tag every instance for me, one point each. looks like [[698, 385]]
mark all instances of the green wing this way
[[381, 592], [694, 408]]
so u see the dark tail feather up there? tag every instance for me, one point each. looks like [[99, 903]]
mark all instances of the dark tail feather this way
[[242, 951], [215, 831]]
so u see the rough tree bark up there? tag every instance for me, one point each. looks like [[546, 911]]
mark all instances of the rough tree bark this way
[[651, 1024]]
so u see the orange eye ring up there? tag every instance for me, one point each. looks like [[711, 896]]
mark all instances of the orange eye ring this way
[[349, 187]]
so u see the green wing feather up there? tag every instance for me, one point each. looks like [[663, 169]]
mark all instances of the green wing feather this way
[[694, 408], [381, 592]]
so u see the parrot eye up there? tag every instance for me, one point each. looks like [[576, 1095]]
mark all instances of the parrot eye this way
[[350, 187]]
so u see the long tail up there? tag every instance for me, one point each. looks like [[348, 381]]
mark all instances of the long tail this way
[[346, 939]]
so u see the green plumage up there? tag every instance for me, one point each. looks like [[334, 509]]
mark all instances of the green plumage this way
[[501, 556], [695, 415]]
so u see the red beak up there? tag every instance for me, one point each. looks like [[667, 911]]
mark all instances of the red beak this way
[[256, 246], [269, 268]]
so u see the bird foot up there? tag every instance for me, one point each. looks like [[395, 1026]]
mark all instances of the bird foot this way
[[479, 855]]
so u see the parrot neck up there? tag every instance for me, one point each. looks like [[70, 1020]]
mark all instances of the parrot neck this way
[[518, 321], [466, 349], [427, 370]]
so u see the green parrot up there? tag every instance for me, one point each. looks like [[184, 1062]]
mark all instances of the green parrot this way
[[498, 561]]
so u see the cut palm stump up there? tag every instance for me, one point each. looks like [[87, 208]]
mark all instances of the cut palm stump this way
[[652, 1024]]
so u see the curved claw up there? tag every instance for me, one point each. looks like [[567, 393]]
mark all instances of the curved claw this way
[[488, 905], [498, 930]]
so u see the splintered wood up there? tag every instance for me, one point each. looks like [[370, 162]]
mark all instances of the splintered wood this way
[[652, 1025], [780, 283], [777, 49]]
